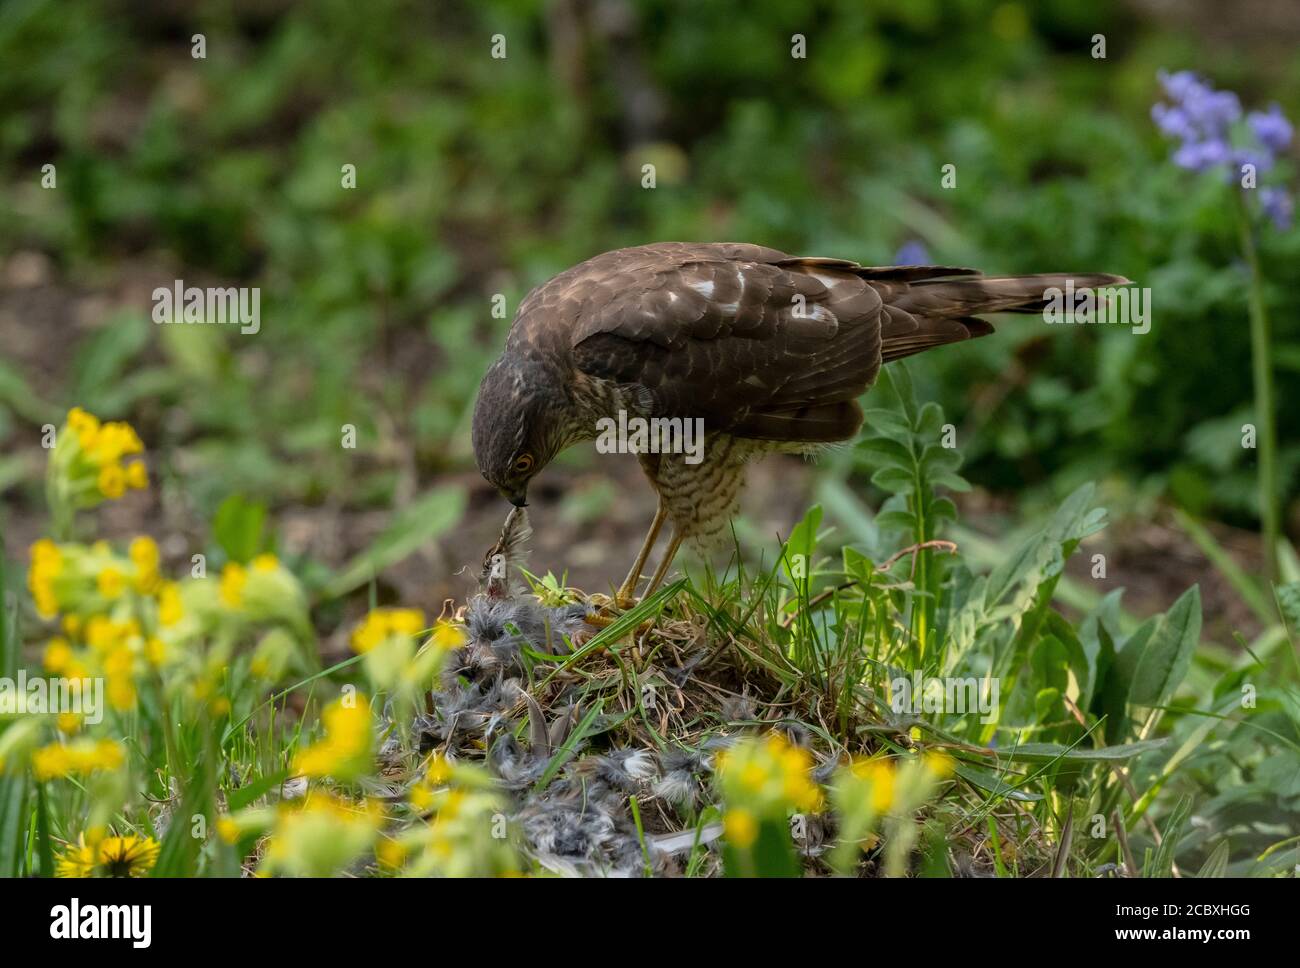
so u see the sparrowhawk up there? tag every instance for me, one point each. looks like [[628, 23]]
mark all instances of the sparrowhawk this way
[[771, 351]]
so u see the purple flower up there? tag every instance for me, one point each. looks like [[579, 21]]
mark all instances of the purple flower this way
[[1202, 155], [1262, 160], [1173, 122], [912, 253], [1203, 120], [1213, 110], [1278, 206], [1271, 129], [1181, 85]]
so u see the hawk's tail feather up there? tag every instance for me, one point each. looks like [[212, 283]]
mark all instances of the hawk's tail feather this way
[[931, 333], [996, 294], [935, 312]]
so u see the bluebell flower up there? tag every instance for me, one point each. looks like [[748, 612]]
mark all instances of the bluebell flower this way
[[1271, 128], [1202, 155], [1278, 206], [1180, 85], [1202, 121], [1173, 122], [912, 253], [1261, 159]]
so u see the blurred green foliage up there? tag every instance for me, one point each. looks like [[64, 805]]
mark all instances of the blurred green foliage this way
[[478, 176]]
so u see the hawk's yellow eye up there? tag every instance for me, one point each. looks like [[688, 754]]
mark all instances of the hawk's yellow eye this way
[[524, 463]]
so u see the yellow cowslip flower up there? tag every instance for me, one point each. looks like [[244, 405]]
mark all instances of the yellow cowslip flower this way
[[882, 777], [406, 621], [380, 623], [939, 763], [114, 441], [68, 723], [46, 551], [437, 775], [344, 752], [120, 661], [78, 758], [391, 854], [121, 693], [753, 776], [84, 425], [228, 830], [740, 827], [129, 856], [46, 565], [104, 634], [111, 481], [155, 650], [231, 588], [58, 655], [101, 633], [72, 626], [110, 582], [170, 607], [137, 475], [265, 562], [770, 777], [143, 553], [321, 835], [448, 637]]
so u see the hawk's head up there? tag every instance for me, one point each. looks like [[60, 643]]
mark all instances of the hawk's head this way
[[515, 418]]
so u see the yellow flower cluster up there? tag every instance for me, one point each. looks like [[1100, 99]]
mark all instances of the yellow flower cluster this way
[[464, 834], [129, 856], [100, 448], [381, 623], [46, 567], [82, 580], [387, 639], [344, 753], [764, 780], [317, 837], [78, 758], [877, 793], [234, 578]]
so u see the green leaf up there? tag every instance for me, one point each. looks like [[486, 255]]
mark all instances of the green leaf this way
[[238, 527], [1050, 752], [1119, 680], [992, 783], [802, 543], [895, 480], [886, 452], [888, 423], [1168, 655], [1216, 865], [246, 794], [13, 822]]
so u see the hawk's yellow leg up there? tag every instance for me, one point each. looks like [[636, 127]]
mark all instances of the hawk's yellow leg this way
[[624, 597]]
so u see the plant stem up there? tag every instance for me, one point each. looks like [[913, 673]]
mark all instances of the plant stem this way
[[1262, 375]]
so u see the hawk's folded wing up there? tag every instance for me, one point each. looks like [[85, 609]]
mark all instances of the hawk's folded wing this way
[[755, 342]]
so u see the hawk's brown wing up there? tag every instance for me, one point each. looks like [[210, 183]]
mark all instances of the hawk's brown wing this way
[[757, 343]]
